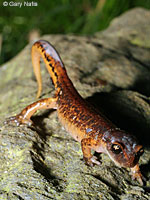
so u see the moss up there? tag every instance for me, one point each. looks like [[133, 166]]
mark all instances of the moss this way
[[141, 42]]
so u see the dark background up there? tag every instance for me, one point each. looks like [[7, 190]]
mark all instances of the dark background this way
[[82, 17]]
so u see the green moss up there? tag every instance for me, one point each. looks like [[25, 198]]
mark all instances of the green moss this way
[[141, 42]]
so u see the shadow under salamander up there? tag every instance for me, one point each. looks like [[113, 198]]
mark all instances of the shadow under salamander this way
[[122, 116]]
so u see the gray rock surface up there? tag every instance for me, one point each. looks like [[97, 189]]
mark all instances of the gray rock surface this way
[[112, 70]]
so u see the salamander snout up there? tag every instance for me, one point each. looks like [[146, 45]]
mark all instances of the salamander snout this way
[[122, 148]]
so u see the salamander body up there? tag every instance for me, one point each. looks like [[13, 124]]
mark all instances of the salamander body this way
[[79, 118]]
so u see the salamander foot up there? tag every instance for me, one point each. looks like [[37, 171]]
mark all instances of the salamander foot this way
[[136, 175], [18, 120], [92, 161]]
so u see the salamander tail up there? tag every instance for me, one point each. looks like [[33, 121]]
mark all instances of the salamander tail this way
[[53, 62]]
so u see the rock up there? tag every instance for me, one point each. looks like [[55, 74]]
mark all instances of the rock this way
[[111, 69]]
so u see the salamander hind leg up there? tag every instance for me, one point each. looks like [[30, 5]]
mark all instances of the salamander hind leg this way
[[87, 144], [24, 116]]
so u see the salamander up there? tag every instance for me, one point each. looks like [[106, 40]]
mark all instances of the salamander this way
[[85, 124]]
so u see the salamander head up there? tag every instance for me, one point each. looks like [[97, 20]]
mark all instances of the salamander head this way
[[122, 148]]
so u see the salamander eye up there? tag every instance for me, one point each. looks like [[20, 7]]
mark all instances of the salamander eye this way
[[116, 148]]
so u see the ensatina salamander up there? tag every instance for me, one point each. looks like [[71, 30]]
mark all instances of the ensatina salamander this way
[[79, 118]]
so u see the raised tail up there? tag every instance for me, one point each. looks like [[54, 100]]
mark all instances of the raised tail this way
[[53, 62]]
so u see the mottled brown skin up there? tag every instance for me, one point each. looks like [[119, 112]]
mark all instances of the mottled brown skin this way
[[79, 118]]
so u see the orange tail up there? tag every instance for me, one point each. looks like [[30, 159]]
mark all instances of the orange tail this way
[[52, 60]]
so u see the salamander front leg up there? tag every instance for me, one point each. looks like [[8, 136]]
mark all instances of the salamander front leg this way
[[24, 116], [136, 174], [87, 144]]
